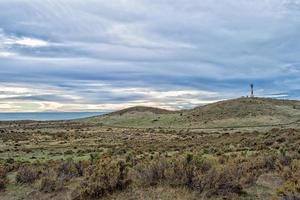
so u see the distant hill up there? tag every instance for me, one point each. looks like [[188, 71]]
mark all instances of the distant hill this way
[[245, 107], [230, 113], [140, 109]]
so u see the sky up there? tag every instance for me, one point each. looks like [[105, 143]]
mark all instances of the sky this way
[[100, 55]]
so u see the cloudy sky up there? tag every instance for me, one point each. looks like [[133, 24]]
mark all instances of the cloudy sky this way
[[100, 55]]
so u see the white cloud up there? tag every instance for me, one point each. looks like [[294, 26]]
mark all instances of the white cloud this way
[[25, 41], [6, 54], [9, 44], [29, 42], [25, 97]]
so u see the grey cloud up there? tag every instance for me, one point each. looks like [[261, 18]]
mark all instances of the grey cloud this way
[[162, 45]]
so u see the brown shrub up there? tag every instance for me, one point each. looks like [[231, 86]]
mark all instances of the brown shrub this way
[[270, 162], [181, 172], [27, 174], [104, 178], [227, 181], [149, 174], [49, 183], [63, 171], [203, 175], [69, 169], [284, 160], [2, 184], [291, 188], [3, 178], [218, 180], [3, 171]]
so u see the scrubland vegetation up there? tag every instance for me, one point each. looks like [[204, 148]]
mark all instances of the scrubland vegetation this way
[[82, 160], [232, 164]]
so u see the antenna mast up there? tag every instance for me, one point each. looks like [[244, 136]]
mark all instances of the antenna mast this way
[[252, 90]]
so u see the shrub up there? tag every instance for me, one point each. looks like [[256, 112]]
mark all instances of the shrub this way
[[27, 175], [3, 171], [68, 152], [54, 179], [2, 184], [3, 179], [204, 165], [104, 178], [181, 172], [94, 157], [69, 169], [201, 175], [152, 173], [285, 160], [49, 183], [270, 162], [227, 181], [218, 180], [291, 188]]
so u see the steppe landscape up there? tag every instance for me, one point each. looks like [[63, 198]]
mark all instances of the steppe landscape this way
[[149, 100], [246, 148]]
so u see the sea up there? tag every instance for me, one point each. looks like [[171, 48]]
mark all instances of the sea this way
[[46, 116]]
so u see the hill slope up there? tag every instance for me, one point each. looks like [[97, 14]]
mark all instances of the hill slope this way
[[229, 113], [140, 109]]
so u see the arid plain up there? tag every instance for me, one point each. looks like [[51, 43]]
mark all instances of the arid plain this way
[[247, 148]]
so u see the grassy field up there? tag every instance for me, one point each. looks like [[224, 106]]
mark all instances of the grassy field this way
[[120, 156]]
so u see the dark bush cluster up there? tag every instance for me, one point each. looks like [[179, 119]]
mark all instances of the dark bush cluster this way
[[27, 174], [69, 169]]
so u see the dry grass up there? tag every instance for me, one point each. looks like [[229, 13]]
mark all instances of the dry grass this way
[[108, 162]]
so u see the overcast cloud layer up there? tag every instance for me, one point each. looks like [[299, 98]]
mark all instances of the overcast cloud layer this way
[[100, 55]]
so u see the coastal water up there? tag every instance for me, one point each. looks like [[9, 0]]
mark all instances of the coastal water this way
[[46, 116]]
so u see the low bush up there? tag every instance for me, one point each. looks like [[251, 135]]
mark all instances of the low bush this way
[[104, 177], [49, 183], [27, 175], [200, 174], [291, 188], [150, 174], [3, 178], [69, 169], [2, 184]]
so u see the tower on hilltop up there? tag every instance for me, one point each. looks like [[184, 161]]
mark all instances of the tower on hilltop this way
[[252, 90]]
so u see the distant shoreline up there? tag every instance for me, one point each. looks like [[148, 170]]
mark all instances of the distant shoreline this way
[[46, 116]]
